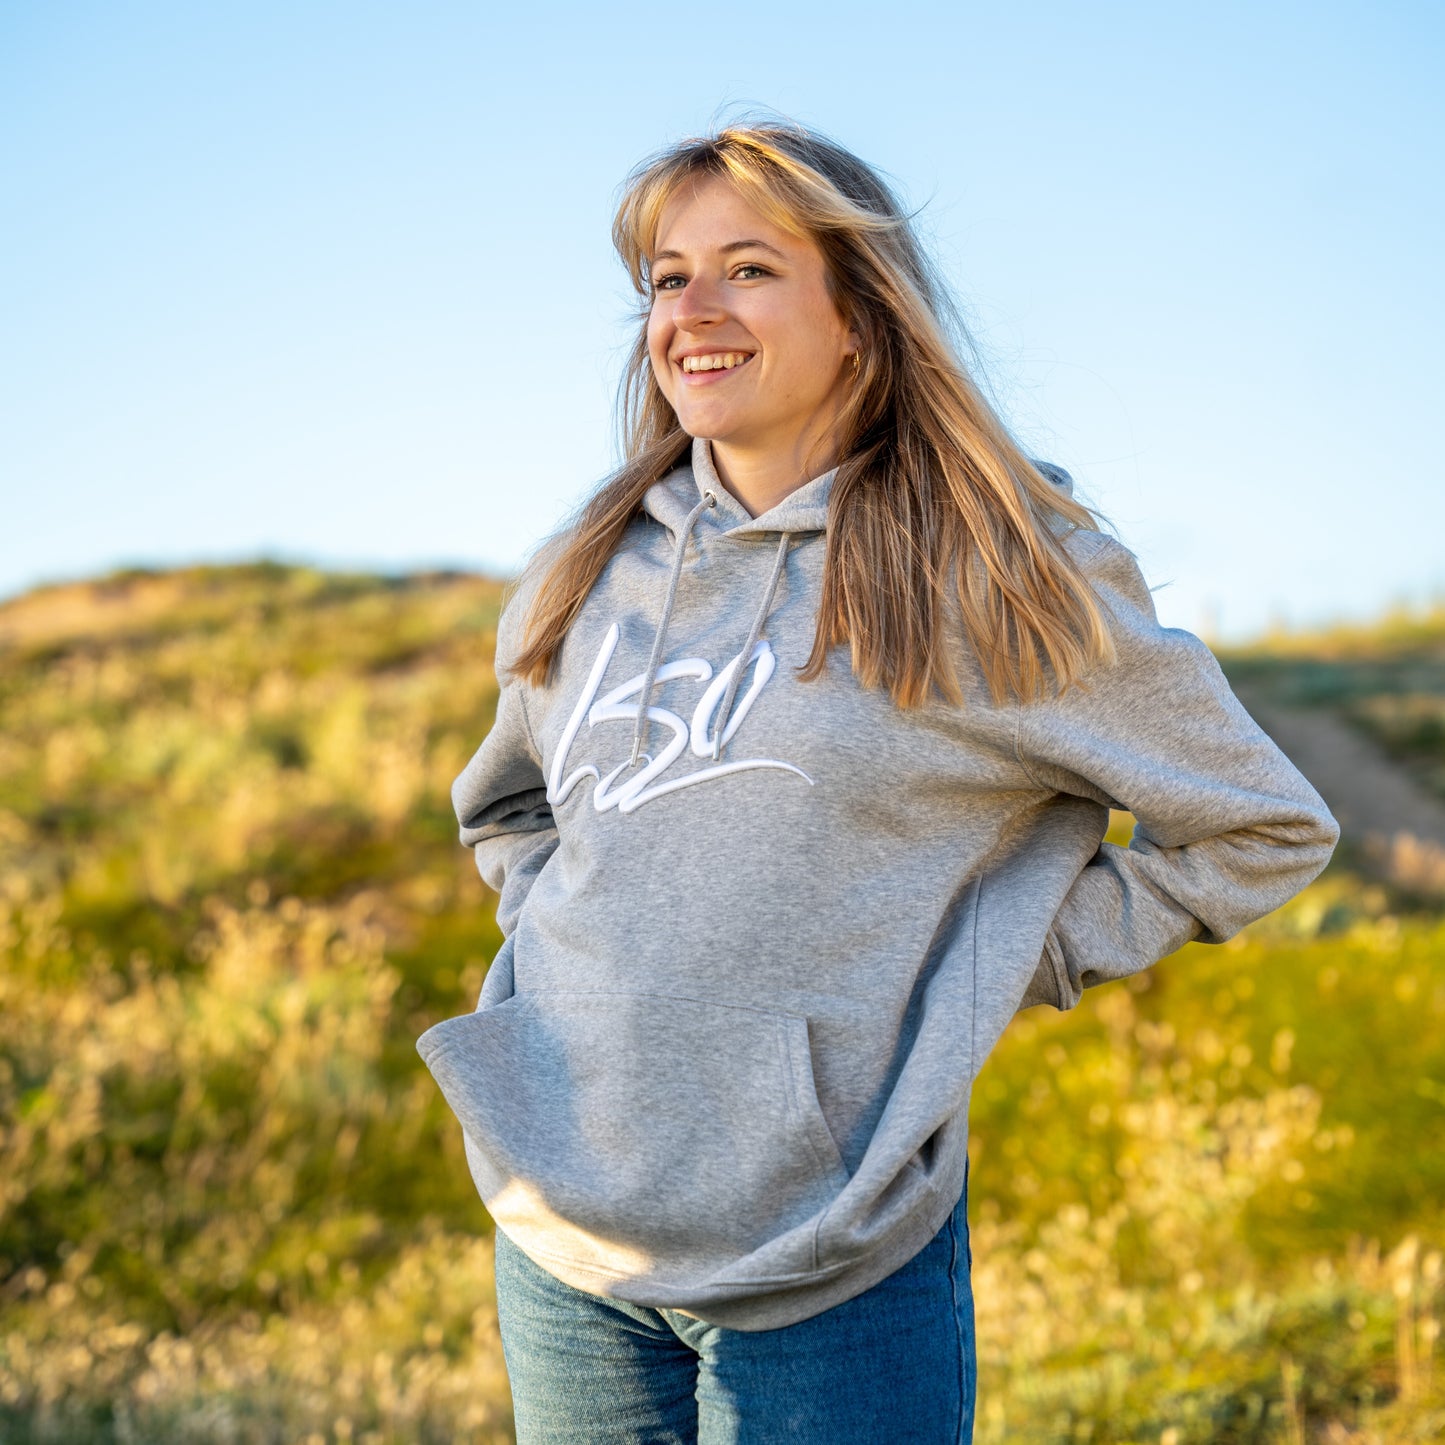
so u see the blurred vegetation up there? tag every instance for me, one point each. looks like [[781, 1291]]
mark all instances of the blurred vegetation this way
[[1388, 680], [1209, 1206]]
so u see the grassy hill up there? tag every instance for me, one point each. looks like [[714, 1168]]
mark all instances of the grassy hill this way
[[1209, 1206]]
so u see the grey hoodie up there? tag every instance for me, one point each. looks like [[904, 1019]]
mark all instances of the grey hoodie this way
[[722, 1061]]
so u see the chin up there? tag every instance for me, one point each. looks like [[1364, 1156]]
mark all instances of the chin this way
[[708, 429]]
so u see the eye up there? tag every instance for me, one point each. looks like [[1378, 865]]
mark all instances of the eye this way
[[754, 268], [670, 282]]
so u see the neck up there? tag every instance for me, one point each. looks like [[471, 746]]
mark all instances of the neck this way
[[761, 479]]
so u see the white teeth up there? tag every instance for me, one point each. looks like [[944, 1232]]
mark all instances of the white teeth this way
[[717, 361]]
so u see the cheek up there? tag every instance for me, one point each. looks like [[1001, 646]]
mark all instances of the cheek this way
[[825, 335], [657, 342]]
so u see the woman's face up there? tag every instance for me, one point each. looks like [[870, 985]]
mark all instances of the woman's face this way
[[744, 337]]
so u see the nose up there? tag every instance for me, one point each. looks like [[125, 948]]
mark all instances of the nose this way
[[698, 304]]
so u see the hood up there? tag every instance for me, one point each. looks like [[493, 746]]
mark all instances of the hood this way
[[671, 500], [1057, 475]]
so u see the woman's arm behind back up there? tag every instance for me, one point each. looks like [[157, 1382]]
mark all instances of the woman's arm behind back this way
[[1228, 829]]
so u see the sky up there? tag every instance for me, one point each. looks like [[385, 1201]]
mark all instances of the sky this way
[[332, 282]]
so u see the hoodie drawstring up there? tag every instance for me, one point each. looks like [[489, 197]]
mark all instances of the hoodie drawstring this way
[[639, 731], [659, 641], [735, 682]]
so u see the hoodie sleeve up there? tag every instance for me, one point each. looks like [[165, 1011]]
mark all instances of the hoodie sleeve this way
[[1227, 828], [501, 796]]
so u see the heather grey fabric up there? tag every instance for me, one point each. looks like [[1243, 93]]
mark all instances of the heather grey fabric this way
[[723, 1059]]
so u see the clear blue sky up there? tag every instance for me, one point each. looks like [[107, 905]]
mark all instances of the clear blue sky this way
[[332, 281]]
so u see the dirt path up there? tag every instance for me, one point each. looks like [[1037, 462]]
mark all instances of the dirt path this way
[[1400, 828]]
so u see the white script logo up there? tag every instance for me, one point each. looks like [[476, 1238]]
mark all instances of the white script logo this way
[[614, 707]]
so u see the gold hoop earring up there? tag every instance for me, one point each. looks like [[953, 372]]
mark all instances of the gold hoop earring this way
[[857, 365]]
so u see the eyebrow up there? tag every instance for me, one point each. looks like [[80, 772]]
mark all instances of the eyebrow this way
[[725, 250]]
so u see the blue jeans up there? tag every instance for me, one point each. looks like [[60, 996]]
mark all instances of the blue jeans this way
[[895, 1363]]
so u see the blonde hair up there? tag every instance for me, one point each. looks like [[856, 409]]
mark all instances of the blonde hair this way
[[933, 499]]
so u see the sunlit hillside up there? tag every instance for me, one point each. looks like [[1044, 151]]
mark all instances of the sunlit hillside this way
[[1208, 1206]]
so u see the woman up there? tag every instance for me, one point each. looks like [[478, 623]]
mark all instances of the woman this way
[[797, 792]]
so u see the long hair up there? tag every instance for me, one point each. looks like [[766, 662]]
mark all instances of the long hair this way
[[933, 500]]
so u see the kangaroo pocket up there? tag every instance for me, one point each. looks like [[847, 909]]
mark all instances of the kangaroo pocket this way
[[642, 1135]]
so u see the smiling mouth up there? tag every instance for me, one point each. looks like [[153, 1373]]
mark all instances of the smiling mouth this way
[[717, 361]]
